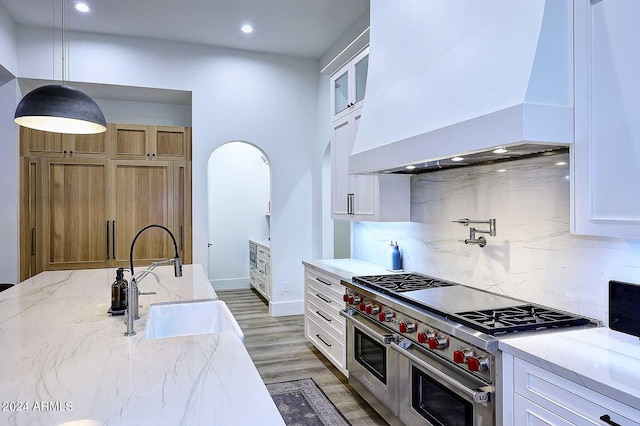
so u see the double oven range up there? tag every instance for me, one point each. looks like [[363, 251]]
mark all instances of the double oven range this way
[[424, 351]]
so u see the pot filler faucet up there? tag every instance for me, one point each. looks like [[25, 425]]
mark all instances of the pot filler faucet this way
[[132, 291], [481, 241]]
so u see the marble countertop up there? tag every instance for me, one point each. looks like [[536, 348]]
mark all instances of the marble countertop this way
[[346, 268], [64, 359], [600, 359]]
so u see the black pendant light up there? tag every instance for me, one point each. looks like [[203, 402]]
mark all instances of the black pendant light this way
[[59, 108]]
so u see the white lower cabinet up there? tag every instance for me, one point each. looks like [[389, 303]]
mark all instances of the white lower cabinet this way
[[260, 276], [323, 324], [541, 397]]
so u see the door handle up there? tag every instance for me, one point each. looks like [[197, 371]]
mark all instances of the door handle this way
[[209, 244], [107, 240], [181, 238], [33, 241], [113, 236]]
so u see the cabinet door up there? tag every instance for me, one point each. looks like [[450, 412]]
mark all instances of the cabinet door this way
[[142, 195], [341, 92], [30, 217], [341, 144], [37, 143], [75, 214], [88, 146], [360, 70], [131, 141], [607, 101], [170, 143], [182, 210]]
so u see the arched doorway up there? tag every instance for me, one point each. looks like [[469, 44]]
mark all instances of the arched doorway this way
[[239, 190]]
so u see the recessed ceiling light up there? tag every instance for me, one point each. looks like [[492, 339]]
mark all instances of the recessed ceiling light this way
[[499, 150], [457, 159], [561, 163], [82, 7], [246, 28], [501, 170], [410, 167]]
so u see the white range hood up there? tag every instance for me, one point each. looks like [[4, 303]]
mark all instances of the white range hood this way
[[451, 77]]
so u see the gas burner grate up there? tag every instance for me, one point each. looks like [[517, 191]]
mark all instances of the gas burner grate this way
[[400, 283], [519, 318]]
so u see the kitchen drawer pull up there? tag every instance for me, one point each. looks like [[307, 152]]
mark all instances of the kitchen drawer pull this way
[[322, 340], [323, 281], [323, 317], [107, 240], [607, 419], [182, 238], [33, 241], [323, 298]]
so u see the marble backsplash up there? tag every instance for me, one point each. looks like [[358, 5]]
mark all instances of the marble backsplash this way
[[533, 256]]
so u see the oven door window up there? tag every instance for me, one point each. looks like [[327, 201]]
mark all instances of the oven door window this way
[[438, 404], [371, 355]]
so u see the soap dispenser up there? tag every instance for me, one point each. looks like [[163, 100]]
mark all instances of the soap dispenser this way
[[396, 257], [119, 294]]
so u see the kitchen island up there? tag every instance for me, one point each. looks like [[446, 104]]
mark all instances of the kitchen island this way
[[65, 359]]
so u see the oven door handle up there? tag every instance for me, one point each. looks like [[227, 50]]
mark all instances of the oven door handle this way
[[360, 323], [480, 395]]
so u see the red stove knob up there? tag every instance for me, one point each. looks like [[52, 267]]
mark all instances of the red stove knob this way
[[362, 306], [385, 316], [407, 327], [479, 363], [345, 297], [368, 309], [350, 300], [422, 337], [462, 355], [438, 343]]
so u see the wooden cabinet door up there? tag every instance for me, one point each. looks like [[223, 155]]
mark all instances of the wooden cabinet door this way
[[142, 194], [75, 214], [37, 143], [170, 143], [131, 141], [30, 217], [182, 209], [93, 146]]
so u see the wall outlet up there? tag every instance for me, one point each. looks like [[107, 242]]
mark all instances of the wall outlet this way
[[285, 286]]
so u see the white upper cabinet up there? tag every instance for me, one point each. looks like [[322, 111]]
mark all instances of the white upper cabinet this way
[[606, 155], [348, 85]]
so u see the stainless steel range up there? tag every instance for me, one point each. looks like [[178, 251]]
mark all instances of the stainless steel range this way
[[423, 351]]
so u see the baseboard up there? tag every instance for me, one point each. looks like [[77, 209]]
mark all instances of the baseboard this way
[[281, 309], [230, 283]]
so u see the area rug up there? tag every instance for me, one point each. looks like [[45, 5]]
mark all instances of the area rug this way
[[302, 403]]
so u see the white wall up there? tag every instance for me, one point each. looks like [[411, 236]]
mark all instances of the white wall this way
[[532, 257], [267, 99], [8, 42], [239, 193], [128, 112]]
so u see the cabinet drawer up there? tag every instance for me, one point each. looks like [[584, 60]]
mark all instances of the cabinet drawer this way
[[324, 298], [327, 282], [526, 412], [332, 348], [328, 317], [569, 400]]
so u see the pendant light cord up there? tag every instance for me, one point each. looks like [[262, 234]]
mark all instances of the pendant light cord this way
[[64, 46]]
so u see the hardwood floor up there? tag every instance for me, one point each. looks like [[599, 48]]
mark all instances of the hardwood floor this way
[[281, 352]]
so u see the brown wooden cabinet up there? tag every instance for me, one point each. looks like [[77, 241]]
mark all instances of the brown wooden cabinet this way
[[83, 209], [37, 143]]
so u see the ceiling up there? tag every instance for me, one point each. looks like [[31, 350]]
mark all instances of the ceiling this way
[[302, 28]]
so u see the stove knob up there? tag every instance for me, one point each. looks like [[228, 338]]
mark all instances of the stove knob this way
[[478, 363], [422, 337], [462, 355], [407, 327], [375, 309], [438, 343], [345, 297], [362, 306], [385, 316], [368, 308], [350, 300], [356, 300]]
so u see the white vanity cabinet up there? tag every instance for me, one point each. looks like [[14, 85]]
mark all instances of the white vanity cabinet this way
[[606, 168], [542, 397], [260, 275]]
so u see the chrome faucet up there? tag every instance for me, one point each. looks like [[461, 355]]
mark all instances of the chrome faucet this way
[[132, 291], [481, 241]]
